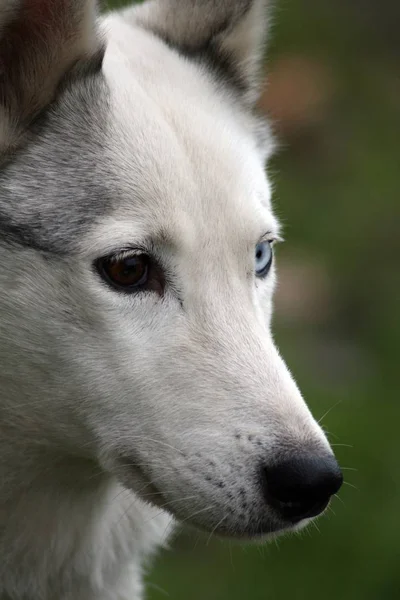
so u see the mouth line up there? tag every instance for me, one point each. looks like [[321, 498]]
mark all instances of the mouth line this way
[[251, 535], [264, 532], [150, 493], [147, 490]]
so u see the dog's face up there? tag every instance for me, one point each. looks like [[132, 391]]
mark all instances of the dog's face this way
[[137, 267]]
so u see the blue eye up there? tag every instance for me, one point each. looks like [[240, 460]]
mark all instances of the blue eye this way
[[263, 259]]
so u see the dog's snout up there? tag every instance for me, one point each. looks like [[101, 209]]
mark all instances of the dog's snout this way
[[300, 488]]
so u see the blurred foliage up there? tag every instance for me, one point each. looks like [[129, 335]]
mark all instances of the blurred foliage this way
[[333, 93]]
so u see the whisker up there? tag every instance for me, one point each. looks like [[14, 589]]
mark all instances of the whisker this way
[[351, 485], [196, 543], [162, 506], [157, 588], [331, 510], [178, 500], [197, 513], [340, 499], [162, 443], [329, 433], [344, 445], [167, 532], [215, 528], [328, 411], [313, 523]]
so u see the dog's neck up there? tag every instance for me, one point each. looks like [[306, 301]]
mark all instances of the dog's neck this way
[[70, 527]]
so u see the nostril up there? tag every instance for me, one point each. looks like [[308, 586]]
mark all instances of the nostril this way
[[301, 487]]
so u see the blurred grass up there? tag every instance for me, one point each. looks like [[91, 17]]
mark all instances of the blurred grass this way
[[337, 191]]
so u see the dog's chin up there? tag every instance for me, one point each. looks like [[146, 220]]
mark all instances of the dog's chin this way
[[259, 534], [132, 477]]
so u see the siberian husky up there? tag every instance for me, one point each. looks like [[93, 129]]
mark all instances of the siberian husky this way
[[139, 381]]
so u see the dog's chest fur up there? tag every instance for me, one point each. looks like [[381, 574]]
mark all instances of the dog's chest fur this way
[[78, 535]]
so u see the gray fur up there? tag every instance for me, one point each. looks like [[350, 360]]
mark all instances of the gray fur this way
[[55, 187]]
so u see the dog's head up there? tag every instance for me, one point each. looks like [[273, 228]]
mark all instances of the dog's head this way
[[137, 269]]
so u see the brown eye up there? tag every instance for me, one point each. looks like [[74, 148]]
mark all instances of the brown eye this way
[[126, 273]]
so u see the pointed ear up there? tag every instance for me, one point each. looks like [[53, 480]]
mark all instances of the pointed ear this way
[[227, 35], [40, 40]]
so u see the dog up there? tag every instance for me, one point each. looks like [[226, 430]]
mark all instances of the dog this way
[[140, 385]]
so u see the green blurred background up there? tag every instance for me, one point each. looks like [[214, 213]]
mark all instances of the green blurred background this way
[[333, 92]]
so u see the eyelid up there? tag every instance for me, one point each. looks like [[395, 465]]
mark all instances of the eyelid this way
[[272, 238], [123, 253]]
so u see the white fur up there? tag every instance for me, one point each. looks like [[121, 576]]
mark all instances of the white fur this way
[[140, 402]]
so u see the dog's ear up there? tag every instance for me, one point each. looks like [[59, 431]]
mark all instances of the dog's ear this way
[[227, 35], [40, 40]]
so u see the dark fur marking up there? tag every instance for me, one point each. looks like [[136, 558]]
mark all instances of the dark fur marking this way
[[208, 52], [88, 67], [51, 189], [221, 63]]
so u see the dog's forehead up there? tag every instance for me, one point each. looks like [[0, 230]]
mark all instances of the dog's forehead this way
[[147, 145], [187, 157]]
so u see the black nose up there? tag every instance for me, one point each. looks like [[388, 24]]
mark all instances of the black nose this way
[[301, 487]]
